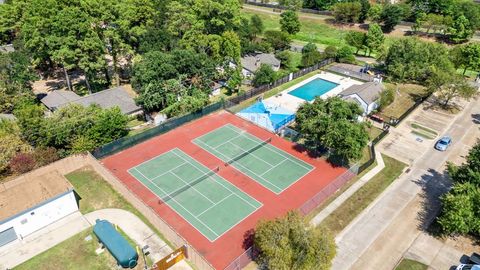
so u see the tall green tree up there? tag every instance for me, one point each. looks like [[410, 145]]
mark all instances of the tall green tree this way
[[310, 55], [347, 12], [391, 16], [289, 22], [290, 242], [291, 4], [448, 86], [356, 39], [264, 75], [256, 25], [332, 124], [375, 38], [460, 30]]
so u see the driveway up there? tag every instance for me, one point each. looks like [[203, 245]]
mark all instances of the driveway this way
[[407, 147], [380, 236]]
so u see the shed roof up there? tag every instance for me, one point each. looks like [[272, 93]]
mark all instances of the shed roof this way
[[27, 192], [368, 92], [106, 99], [253, 62]]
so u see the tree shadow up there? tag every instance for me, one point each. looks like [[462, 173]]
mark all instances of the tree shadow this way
[[434, 184], [476, 118]]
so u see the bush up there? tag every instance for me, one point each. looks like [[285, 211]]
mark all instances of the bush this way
[[264, 75], [285, 58], [45, 155], [278, 39], [345, 55], [22, 163], [387, 97], [348, 12]]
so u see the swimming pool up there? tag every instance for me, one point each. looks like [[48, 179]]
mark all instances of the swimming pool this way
[[312, 89]]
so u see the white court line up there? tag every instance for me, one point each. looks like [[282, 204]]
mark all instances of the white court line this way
[[213, 151], [192, 187], [180, 206], [214, 205], [167, 171], [252, 154], [274, 166], [216, 181], [272, 149], [238, 136]]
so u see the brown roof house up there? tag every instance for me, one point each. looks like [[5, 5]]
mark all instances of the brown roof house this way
[[109, 98], [29, 203], [365, 95]]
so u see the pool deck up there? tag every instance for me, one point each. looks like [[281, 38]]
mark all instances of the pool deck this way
[[287, 101]]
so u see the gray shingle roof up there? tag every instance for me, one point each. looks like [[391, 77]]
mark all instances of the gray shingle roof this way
[[58, 98], [368, 92], [253, 62], [109, 98]]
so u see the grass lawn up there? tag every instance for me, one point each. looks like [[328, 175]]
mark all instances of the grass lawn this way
[[311, 30], [405, 96], [95, 193], [407, 264], [360, 200], [74, 254]]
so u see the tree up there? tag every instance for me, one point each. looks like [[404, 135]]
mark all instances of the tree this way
[[332, 124], [285, 58], [264, 75], [291, 242], [310, 55], [256, 25], [460, 206], [356, 39], [420, 20], [460, 30], [345, 55], [375, 13], [413, 60], [291, 4], [387, 96], [348, 12], [391, 16], [375, 38], [277, 39], [448, 86], [364, 11], [12, 144], [466, 56], [289, 22]]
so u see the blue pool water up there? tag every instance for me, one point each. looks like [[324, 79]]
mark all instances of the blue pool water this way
[[310, 90], [269, 116]]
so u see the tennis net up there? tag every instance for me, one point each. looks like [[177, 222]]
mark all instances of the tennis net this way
[[189, 184], [247, 152]]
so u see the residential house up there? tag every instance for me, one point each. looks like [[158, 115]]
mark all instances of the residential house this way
[[109, 98], [251, 63], [30, 203], [365, 95]]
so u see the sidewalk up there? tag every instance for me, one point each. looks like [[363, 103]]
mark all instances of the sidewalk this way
[[350, 191], [18, 252]]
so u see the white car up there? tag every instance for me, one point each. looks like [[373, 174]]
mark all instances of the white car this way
[[468, 267]]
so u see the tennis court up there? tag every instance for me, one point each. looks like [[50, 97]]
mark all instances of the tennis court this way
[[266, 164], [203, 198]]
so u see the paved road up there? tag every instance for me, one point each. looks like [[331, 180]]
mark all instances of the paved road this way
[[378, 238]]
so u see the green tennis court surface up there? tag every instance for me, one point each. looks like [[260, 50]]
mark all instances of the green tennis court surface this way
[[266, 164], [204, 199]]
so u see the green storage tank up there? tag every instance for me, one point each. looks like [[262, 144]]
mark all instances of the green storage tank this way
[[118, 246]]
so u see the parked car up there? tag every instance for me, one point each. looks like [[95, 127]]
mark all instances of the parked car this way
[[475, 258], [468, 267], [443, 143]]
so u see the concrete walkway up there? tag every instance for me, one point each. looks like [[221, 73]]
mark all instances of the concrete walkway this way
[[18, 252], [350, 191]]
